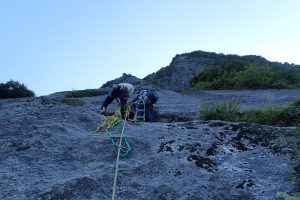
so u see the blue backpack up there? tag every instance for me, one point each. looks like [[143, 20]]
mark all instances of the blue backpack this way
[[152, 95]]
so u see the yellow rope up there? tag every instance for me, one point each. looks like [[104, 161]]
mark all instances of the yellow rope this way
[[108, 122], [95, 132]]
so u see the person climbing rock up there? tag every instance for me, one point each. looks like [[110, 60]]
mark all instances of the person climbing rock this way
[[121, 92], [150, 97]]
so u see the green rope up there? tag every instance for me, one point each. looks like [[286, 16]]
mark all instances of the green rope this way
[[126, 148]]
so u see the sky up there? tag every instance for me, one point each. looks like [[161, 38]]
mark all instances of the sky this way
[[63, 45]]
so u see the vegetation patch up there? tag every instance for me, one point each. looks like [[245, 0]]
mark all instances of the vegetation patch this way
[[14, 89], [86, 93], [239, 74], [226, 111], [71, 102], [286, 196], [229, 111]]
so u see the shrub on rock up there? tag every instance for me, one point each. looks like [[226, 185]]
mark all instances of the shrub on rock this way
[[14, 89]]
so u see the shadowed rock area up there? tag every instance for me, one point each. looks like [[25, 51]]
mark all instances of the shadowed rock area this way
[[47, 153]]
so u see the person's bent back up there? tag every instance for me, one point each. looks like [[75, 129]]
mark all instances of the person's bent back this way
[[121, 91]]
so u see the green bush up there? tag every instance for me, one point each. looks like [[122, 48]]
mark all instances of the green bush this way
[[266, 116], [254, 76], [14, 89], [287, 76], [235, 74], [227, 111]]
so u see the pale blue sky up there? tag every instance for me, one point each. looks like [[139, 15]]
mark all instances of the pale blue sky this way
[[59, 45]]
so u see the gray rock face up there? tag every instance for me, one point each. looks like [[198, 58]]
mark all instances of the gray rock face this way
[[47, 153], [178, 74]]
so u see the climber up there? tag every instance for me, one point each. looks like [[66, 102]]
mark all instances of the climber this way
[[150, 97], [121, 92]]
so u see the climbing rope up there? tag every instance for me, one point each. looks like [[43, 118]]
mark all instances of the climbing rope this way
[[95, 132], [112, 124], [118, 158], [108, 122]]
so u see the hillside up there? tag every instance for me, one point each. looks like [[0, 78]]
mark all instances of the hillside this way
[[47, 153]]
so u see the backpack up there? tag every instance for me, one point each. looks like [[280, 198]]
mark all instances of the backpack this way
[[152, 95]]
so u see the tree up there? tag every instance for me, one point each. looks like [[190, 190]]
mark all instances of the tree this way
[[14, 89]]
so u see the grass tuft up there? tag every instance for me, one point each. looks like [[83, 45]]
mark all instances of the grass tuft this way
[[229, 111], [86, 93], [71, 102]]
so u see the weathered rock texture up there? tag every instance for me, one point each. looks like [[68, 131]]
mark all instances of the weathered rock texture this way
[[47, 153], [180, 71]]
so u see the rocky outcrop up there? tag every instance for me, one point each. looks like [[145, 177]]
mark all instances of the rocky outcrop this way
[[180, 71], [125, 78], [177, 75], [47, 153], [184, 67]]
